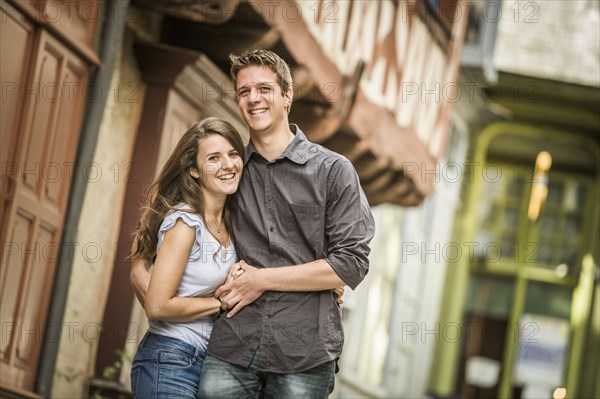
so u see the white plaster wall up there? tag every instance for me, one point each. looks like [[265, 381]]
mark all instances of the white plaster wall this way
[[558, 40], [416, 240]]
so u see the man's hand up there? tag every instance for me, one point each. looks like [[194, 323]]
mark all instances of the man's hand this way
[[139, 278], [235, 271], [243, 289]]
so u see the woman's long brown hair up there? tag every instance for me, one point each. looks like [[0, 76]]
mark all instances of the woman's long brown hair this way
[[175, 185]]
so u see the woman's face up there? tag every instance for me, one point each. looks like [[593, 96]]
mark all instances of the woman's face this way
[[219, 165]]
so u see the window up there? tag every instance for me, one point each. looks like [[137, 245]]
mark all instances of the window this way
[[480, 37]]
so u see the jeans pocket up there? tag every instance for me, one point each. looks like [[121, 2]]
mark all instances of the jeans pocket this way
[[175, 360], [177, 376]]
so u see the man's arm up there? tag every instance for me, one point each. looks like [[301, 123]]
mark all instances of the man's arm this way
[[139, 277], [249, 286], [349, 227]]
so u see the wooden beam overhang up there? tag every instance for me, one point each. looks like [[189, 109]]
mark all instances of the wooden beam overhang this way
[[394, 165], [206, 11]]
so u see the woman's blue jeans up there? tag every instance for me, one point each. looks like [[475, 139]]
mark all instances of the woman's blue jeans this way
[[165, 367]]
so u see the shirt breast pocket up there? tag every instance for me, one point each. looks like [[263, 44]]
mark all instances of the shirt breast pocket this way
[[306, 222]]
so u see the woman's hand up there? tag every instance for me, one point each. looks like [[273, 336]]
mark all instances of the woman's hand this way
[[339, 294]]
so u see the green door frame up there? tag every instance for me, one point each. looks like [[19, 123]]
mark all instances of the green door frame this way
[[445, 368]]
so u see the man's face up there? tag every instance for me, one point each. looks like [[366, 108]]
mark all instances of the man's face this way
[[262, 103]]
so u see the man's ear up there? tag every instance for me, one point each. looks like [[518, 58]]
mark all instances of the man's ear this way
[[288, 95]]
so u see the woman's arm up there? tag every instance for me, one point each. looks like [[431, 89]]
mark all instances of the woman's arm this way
[[161, 300]]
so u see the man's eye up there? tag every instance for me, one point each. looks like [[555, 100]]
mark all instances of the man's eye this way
[[265, 89], [243, 93]]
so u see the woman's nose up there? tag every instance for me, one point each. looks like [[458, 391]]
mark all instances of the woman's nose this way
[[227, 163]]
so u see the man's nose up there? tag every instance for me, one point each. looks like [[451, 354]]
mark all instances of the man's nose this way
[[254, 95]]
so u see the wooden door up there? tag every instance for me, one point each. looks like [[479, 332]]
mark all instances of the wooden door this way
[[41, 131]]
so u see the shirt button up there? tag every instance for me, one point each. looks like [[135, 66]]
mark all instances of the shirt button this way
[[270, 198], [272, 229], [266, 317]]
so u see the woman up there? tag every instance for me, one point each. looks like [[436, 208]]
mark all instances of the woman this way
[[186, 225]]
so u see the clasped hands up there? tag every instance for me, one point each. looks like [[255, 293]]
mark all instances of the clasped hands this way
[[244, 286], [241, 288]]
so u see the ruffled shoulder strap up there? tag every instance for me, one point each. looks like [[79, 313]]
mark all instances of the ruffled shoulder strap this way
[[192, 220]]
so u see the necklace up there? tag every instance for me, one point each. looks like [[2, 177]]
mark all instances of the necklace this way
[[219, 227], [215, 226]]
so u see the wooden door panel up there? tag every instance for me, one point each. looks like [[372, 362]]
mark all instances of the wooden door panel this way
[[40, 113], [57, 174], [16, 36], [12, 266], [41, 267]]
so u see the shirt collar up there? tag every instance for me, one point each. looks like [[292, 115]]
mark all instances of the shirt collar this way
[[296, 151]]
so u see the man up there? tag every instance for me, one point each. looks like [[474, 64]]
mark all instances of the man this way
[[301, 226]]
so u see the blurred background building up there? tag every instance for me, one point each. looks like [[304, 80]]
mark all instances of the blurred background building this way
[[474, 128]]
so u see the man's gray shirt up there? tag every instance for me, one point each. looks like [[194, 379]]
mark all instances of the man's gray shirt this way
[[305, 205]]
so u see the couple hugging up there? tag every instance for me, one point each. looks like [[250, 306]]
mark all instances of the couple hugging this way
[[250, 247]]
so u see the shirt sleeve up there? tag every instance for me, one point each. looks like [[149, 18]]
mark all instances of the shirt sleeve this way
[[191, 220], [349, 224]]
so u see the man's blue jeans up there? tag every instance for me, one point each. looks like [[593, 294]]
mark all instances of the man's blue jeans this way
[[165, 367], [220, 379]]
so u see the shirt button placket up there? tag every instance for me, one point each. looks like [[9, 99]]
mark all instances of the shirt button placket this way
[[270, 203]]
